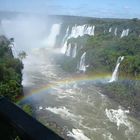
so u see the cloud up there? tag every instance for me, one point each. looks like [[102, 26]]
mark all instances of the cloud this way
[[126, 7]]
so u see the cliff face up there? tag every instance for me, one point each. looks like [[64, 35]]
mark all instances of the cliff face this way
[[10, 72], [82, 25], [103, 40]]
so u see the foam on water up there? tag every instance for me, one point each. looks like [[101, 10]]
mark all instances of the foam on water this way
[[64, 113], [77, 134], [61, 93], [108, 136], [40, 108], [119, 117]]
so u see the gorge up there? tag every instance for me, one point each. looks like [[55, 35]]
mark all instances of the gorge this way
[[71, 67]]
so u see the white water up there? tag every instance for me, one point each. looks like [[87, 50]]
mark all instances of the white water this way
[[77, 134], [82, 66], [63, 112], [71, 51], [81, 30], [115, 72], [76, 31], [78, 107], [66, 35], [110, 29], [74, 51], [115, 32], [64, 48], [125, 33], [51, 39], [68, 51], [119, 117]]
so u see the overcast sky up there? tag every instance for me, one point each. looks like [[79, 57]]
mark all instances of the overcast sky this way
[[92, 8]]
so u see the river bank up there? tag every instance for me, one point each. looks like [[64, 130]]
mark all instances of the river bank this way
[[125, 93]]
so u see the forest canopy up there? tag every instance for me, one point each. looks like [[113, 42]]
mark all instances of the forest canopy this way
[[10, 72]]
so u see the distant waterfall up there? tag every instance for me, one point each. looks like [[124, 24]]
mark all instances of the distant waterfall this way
[[125, 33], [64, 48], [82, 30], [110, 29], [68, 51], [115, 32], [51, 39], [75, 32], [66, 35], [71, 50], [74, 51], [82, 66], [115, 72]]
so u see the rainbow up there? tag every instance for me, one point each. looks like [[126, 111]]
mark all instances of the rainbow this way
[[66, 81]]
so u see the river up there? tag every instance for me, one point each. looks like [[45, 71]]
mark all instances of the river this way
[[72, 104]]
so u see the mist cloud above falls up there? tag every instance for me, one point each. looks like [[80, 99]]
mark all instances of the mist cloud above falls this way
[[28, 31]]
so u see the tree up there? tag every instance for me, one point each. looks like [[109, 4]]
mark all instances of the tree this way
[[10, 72], [22, 55]]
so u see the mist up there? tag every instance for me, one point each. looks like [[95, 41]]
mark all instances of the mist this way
[[28, 31]]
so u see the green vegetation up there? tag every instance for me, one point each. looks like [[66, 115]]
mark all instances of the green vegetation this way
[[125, 92], [28, 109], [103, 51], [22, 55], [10, 72], [10, 83]]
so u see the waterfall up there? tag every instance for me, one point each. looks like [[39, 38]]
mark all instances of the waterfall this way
[[125, 33], [110, 29], [74, 51], [68, 51], [66, 35], [64, 48], [51, 39], [81, 30], [82, 66], [71, 50], [115, 32], [115, 72], [75, 32]]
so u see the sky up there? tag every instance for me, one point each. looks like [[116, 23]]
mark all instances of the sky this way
[[90, 8]]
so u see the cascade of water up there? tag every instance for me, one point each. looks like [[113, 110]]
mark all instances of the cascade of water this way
[[66, 35], [76, 31], [71, 51], [110, 29], [115, 32], [115, 72], [82, 66], [125, 33], [74, 51], [68, 51], [51, 39], [64, 48], [93, 31]]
